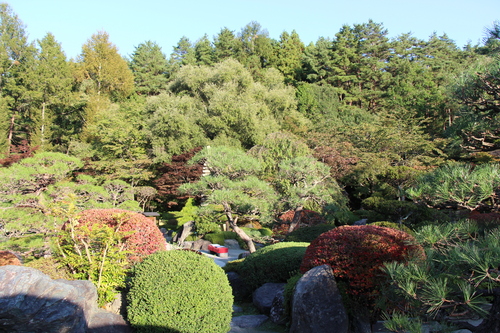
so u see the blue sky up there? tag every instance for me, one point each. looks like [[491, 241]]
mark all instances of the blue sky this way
[[131, 22]]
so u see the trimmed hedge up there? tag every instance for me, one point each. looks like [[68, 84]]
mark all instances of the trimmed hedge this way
[[272, 263], [219, 237], [179, 291]]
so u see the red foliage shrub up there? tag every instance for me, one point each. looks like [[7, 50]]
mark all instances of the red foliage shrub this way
[[142, 235], [9, 258], [17, 153], [307, 218], [174, 174], [485, 219], [356, 254]]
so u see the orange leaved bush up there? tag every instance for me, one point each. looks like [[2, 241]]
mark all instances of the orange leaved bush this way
[[142, 236], [356, 254], [307, 218]]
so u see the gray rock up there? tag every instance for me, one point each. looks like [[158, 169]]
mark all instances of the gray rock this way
[[31, 301], [232, 244], [248, 321], [317, 304], [243, 255], [277, 313], [263, 297], [241, 291], [200, 244]]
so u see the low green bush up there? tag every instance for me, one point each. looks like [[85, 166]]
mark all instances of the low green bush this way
[[394, 225], [273, 263], [308, 234], [265, 232], [179, 291], [219, 237]]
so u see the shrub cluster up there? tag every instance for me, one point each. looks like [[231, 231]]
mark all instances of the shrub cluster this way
[[308, 234], [179, 291], [219, 237], [307, 217], [142, 236], [272, 263], [356, 254]]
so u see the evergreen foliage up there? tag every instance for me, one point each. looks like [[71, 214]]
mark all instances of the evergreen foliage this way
[[272, 264], [179, 291]]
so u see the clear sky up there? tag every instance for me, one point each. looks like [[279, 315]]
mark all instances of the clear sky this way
[[131, 22]]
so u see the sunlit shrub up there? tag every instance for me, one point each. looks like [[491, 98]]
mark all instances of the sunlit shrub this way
[[356, 254], [179, 291]]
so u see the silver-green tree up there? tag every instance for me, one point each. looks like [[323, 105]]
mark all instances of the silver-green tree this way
[[233, 184]]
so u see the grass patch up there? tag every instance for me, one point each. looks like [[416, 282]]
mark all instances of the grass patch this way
[[22, 244]]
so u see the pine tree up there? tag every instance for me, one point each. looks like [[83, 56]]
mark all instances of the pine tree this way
[[53, 82], [204, 51], [150, 68]]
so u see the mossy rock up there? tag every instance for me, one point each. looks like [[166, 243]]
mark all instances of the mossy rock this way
[[308, 234]]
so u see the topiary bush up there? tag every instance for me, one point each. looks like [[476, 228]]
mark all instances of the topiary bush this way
[[272, 263], [356, 254], [142, 236], [308, 234], [179, 291]]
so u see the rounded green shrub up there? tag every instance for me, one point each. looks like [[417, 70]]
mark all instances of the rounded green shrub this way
[[272, 263], [308, 234], [179, 291], [393, 225]]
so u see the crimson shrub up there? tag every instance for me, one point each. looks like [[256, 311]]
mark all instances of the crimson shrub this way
[[356, 254], [142, 236]]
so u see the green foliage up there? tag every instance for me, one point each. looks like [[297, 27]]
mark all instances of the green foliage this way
[[308, 234], [179, 291], [378, 208], [23, 244], [289, 292], [149, 66], [95, 254], [106, 70], [459, 275], [219, 237], [186, 214], [272, 263], [393, 225], [464, 185]]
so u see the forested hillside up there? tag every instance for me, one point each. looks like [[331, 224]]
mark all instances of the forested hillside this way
[[380, 113]]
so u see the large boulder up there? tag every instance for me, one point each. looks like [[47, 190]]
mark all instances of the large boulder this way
[[317, 304], [263, 296], [31, 301], [241, 290]]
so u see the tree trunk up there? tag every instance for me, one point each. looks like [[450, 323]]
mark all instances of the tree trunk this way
[[232, 222], [296, 218], [491, 324], [186, 230]]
